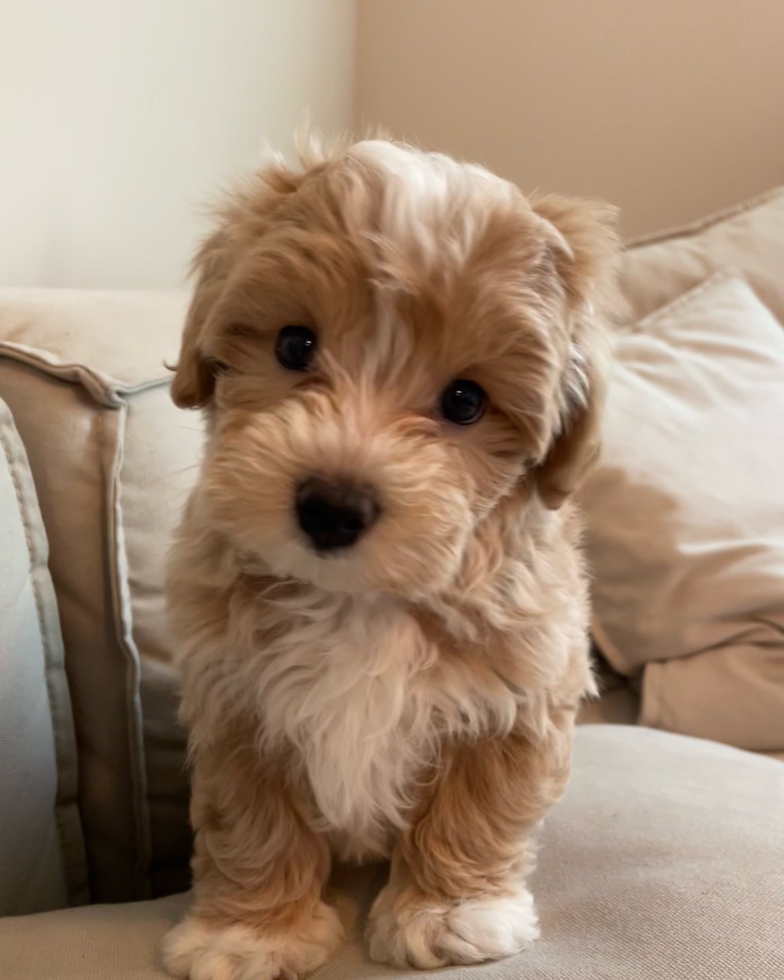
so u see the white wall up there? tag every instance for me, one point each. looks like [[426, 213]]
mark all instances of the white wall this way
[[120, 117], [669, 108]]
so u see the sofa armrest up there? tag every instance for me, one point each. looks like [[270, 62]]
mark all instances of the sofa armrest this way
[[41, 851]]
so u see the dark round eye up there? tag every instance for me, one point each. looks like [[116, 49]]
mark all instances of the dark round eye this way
[[296, 347], [463, 402]]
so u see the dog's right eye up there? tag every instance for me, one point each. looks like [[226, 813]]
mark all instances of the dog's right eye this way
[[296, 347]]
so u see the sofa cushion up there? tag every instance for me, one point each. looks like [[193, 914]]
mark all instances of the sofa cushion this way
[[686, 517], [749, 237], [113, 460], [41, 846], [662, 862]]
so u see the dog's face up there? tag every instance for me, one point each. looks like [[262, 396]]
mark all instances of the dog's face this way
[[389, 344]]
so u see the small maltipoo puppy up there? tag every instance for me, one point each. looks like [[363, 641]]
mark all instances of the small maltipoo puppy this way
[[376, 590]]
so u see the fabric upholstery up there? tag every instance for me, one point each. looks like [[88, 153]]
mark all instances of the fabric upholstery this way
[[41, 848], [628, 883], [656, 269], [685, 516], [112, 459], [749, 237]]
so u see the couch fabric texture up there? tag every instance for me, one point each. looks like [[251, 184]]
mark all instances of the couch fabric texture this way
[[749, 237], [628, 883], [42, 859], [112, 459]]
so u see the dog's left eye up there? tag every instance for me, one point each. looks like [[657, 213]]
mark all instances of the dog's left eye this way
[[463, 402], [296, 347]]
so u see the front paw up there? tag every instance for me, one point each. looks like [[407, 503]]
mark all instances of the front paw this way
[[432, 934], [196, 950]]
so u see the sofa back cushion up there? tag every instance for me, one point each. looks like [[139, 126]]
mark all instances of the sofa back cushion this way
[[685, 516], [749, 237]]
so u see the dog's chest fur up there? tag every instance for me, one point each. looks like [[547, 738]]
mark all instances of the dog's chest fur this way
[[363, 697]]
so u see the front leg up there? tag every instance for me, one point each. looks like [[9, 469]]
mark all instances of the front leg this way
[[259, 872], [457, 891]]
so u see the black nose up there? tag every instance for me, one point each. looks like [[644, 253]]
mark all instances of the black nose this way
[[334, 514]]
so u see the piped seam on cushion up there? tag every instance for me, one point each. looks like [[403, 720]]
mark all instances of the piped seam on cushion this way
[[663, 314], [693, 228], [123, 621], [103, 388], [72, 853]]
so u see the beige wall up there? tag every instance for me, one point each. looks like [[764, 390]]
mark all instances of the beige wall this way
[[669, 108], [120, 117]]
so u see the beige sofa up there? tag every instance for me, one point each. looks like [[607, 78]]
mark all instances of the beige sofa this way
[[664, 859]]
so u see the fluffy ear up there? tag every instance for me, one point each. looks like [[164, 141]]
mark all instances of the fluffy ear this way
[[194, 379], [583, 260], [241, 219]]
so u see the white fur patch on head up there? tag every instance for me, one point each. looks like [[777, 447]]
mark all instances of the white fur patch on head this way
[[471, 931], [433, 208], [198, 951]]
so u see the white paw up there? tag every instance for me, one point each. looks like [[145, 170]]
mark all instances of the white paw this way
[[471, 931], [198, 951]]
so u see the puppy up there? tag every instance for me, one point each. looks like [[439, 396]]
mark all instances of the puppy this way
[[376, 590]]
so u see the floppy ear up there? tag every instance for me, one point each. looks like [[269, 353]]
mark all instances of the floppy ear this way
[[194, 379], [583, 262], [241, 219]]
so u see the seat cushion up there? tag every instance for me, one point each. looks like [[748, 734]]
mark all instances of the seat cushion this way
[[42, 862], [112, 459], [663, 862]]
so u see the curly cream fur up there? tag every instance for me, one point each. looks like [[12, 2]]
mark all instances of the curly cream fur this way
[[412, 697]]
